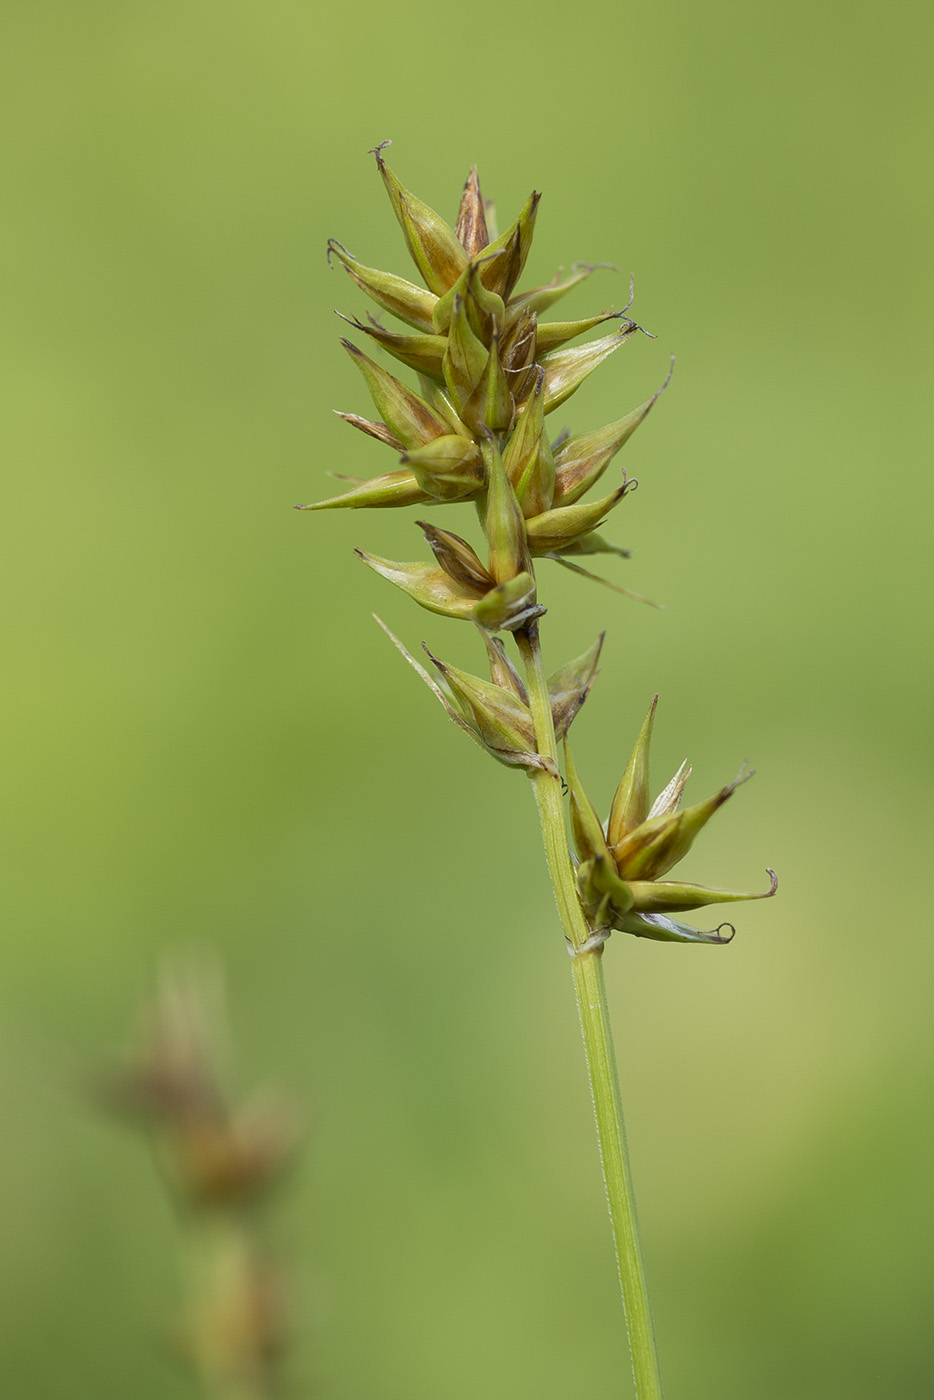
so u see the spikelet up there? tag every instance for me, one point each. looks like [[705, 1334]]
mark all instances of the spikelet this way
[[488, 372], [620, 869]]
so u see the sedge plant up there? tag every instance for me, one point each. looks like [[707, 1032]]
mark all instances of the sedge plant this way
[[489, 371]]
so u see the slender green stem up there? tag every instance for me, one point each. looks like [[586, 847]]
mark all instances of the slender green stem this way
[[589, 988]]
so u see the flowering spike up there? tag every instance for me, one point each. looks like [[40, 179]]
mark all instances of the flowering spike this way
[[489, 372], [631, 802], [471, 228], [408, 418], [394, 489], [394, 294], [570, 685], [618, 879], [581, 461], [433, 244]]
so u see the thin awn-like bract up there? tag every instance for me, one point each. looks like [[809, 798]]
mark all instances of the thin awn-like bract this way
[[489, 371]]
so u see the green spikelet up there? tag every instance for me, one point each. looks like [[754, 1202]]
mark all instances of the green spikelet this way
[[487, 371], [620, 869]]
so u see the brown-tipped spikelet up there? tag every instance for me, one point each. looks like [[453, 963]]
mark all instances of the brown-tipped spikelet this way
[[220, 1159], [488, 374], [620, 868]]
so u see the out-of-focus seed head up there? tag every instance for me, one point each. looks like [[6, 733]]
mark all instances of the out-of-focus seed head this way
[[216, 1155]]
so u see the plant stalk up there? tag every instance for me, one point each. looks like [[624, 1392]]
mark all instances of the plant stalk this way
[[590, 991]]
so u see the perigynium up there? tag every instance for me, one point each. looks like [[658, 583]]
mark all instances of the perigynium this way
[[489, 372]]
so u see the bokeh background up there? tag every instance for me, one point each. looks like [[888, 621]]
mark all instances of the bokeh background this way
[[210, 744]]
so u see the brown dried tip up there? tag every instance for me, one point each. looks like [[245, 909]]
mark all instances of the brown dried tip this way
[[471, 219]]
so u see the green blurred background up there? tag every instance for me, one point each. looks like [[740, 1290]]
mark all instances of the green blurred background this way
[[210, 744]]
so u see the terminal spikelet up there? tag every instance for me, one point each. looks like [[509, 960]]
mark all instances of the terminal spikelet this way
[[488, 372]]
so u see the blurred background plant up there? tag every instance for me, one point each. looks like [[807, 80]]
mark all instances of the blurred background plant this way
[[171, 177], [219, 1161]]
